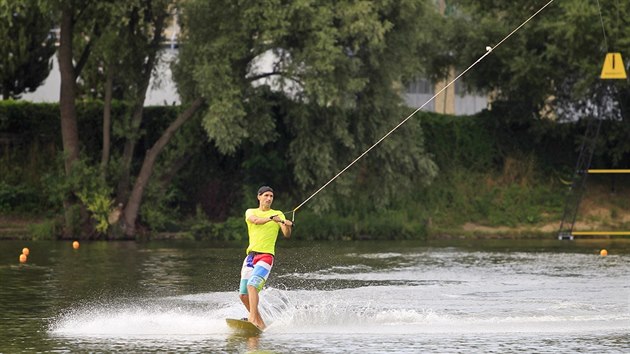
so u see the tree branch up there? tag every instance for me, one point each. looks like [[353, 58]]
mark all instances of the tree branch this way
[[133, 206], [264, 75], [96, 33], [275, 73]]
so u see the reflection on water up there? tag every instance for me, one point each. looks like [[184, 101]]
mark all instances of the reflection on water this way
[[533, 296]]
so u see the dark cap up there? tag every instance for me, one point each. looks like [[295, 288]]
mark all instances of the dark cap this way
[[264, 189]]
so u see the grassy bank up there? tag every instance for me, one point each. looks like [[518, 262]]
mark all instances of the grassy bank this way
[[463, 205], [496, 177]]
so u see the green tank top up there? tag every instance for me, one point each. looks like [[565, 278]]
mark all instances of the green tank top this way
[[262, 238]]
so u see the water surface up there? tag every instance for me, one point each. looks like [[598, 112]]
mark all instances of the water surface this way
[[326, 297]]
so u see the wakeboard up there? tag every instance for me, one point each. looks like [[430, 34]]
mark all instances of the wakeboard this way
[[243, 327]]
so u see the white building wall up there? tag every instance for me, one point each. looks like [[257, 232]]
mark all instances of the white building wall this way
[[420, 91], [162, 89]]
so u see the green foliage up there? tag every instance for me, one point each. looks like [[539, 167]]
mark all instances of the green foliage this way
[[233, 229], [100, 206], [310, 226], [490, 173], [93, 192], [159, 210], [460, 141], [18, 198], [85, 181], [45, 230], [386, 225], [25, 54], [122, 44], [27, 151], [395, 225], [553, 61], [338, 67], [491, 198], [35, 126], [30, 121]]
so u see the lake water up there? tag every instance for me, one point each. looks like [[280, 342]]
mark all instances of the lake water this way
[[325, 297]]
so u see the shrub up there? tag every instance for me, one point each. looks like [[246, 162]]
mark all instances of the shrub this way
[[46, 230]]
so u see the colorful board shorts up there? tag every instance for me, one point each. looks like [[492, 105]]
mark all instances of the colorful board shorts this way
[[255, 271]]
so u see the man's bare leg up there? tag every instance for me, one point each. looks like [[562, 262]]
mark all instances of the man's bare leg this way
[[245, 300], [254, 315]]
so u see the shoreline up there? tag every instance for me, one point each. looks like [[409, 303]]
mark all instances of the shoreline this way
[[18, 228]]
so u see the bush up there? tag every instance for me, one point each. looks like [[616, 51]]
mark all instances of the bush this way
[[20, 198], [388, 225], [46, 230], [309, 226], [201, 228]]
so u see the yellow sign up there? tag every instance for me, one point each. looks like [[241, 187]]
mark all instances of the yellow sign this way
[[613, 67]]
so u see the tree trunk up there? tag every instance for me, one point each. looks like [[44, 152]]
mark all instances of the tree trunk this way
[[69, 130], [133, 206], [167, 177], [107, 120], [122, 190]]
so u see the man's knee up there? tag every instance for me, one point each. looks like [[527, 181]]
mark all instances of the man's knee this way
[[256, 282]]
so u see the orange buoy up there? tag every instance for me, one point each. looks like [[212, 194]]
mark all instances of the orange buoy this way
[[75, 245], [603, 253], [23, 258], [25, 251]]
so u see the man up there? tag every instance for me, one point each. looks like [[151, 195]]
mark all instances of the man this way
[[263, 224]]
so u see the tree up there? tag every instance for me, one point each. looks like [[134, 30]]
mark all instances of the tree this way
[[342, 64], [140, 34], [552, 64], [91, 35], [550, 67], [70, 14], [27, 49]]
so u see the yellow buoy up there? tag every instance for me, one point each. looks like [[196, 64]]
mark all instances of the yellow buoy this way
[[75, 245], [25, 251], [603, 253], [23, 258]]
